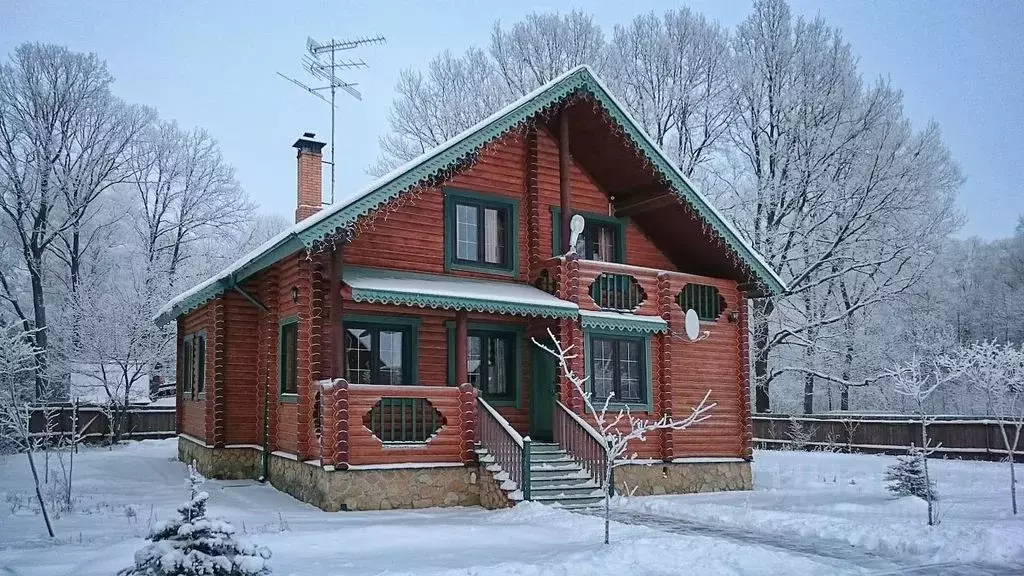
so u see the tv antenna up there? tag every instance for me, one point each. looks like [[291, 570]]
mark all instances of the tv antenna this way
[[322, 63]]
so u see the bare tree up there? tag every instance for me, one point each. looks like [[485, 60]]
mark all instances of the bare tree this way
[[62, 138], [675, 75], [185, 191], [542, 46], [620, 429], [17, 367], [996, 372]]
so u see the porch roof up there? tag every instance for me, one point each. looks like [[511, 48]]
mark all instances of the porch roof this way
[[618, 321], [452, 293]]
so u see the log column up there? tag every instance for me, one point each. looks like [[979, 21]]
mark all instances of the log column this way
[[564, 185], [337, 331], [461, 348]]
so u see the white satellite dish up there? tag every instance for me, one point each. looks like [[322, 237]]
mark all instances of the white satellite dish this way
[[576, 228], [692, 324]]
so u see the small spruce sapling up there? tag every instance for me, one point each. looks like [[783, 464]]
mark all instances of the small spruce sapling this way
[[194, 544], [906, 477]]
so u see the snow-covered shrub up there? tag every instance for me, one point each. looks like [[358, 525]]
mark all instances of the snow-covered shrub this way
[[194, 544], [799, 436], [906, 477]]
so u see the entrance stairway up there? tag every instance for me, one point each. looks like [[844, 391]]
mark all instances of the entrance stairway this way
[[555, 478]]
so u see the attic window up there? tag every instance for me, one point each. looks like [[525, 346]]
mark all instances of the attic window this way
[[704, 299]]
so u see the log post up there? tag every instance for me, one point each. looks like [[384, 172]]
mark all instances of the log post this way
[[461, 348], [564, 186], [337, 365]]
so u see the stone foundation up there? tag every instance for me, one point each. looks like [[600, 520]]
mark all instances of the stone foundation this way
[[364, 489], [224, 463], [682, 477]]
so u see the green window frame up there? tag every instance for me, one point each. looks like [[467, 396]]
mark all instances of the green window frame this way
[[287, 358], [594, 222], [456, 202], [375, 327], [193, 365], [620, 342], [488, 336]]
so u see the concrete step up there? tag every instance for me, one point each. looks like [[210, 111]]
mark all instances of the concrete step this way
[[539, 448], [571, 501], [549, 457], [554, 472], [587, 489], [566, 481]]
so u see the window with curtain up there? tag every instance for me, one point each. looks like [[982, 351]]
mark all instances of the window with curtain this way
[[491, 364]]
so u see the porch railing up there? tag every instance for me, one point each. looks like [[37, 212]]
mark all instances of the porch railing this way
[[510, 450], [574, 435]]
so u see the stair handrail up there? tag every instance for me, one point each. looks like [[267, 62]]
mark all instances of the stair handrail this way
[[582, 442], [510, 450]]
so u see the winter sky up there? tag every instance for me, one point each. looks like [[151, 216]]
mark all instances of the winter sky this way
[[213, 64]]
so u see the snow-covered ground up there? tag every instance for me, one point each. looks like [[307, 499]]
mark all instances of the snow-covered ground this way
[[807, 496]]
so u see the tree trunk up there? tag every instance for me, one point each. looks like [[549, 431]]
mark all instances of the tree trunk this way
[[762, 400], [924, 465], [39, 320], [39, 493]]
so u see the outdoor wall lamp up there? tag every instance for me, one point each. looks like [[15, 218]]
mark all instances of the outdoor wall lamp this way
[[295, 294], [734, 315]]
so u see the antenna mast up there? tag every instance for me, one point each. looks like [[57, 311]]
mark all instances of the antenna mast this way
[[322, 63]]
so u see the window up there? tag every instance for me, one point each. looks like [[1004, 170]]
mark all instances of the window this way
[[618, 366], [480, 232], [287, 360], [490, 364], [193, 364], [603, 237], [705, 300], [379, 354], [493, 361], [186, 366]]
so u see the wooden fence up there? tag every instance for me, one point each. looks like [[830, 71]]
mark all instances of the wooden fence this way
[[143, 422], [966, 437]]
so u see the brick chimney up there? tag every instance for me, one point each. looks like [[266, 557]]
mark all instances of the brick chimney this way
[[310, 171]]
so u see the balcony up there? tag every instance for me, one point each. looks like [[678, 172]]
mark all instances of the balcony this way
[[623, 289]]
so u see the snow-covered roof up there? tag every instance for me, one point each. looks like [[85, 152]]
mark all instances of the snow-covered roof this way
[[451, 293], [619, 321], [415, 172]]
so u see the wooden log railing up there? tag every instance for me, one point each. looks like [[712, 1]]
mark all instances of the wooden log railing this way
[[510, 450], [402, 424], [585, 444]]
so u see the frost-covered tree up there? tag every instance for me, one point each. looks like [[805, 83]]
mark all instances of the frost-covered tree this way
[[63, 138], [195, 545], [995, 372], [907, 477], [17, 392], [619, 428]]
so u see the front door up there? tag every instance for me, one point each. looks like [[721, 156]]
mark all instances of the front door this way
[[542, 395]]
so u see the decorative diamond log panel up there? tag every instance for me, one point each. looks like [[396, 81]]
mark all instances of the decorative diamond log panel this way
[[706, 300], [619, 292], [404, 420]]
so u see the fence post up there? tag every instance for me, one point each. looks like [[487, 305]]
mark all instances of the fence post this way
[[526, 467]]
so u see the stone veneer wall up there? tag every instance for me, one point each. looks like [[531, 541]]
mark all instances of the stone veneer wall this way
[[682, 477], [224, 463], [373, 489]]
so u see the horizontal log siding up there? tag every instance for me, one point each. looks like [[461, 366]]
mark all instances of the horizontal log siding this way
[[365, 448], [194, 420], [241, 408], [286, 432], [412, 237]]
